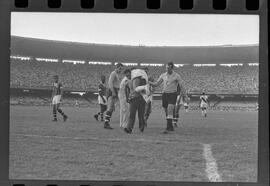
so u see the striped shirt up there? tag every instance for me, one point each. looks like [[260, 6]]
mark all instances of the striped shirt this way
[[57, 88]]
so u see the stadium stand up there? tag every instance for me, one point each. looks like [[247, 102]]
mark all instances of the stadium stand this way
[[83, 77]]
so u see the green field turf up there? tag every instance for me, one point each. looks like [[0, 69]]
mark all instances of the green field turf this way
[[80, 149]]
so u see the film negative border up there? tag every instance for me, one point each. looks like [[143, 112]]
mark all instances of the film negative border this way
[[147, 6], [132, 6]]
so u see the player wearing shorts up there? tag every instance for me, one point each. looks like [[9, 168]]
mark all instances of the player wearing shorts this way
[[112, 96], [102, 100], [170, 80], [57, 93], [203, 104], [123, 98]]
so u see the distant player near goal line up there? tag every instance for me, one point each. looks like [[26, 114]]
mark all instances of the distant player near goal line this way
[[203, 104], [57, 94], [102, 100]]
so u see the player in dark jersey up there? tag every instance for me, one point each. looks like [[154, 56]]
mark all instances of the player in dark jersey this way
[[57, 93], [102, 100]]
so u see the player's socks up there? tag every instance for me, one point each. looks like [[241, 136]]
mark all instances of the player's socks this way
[[108, 115], [170, 124], [62, 113], [54, 114]]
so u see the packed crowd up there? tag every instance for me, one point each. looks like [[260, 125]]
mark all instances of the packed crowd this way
[[83, 77]]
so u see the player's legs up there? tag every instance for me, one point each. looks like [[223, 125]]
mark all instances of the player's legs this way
[[54, 108], [147, 112], [125, 115], [170, 117], [205, 113], [54, 112], [170, 99], [176, 114], [61, 112], [141, 113], [102, 110], [202, 111], [108, 114], [133, 106]]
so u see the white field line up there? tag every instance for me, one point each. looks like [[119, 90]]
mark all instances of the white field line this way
[[165, 141], [211, 165]]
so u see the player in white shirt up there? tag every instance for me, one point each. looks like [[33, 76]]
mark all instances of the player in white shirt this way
[[204, 104]]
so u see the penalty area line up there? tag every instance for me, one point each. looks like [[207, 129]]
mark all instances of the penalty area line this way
[[211, 165]]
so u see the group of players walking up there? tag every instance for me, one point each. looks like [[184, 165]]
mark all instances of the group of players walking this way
[[134, 93]]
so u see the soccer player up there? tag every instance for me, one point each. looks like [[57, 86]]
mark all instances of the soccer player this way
[[123, 98], [181, 97], [203, 104], [137, 99], [57, 94], [112, 97], [102, 100], [170, 80]]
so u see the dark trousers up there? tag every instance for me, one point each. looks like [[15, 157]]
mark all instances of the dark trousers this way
[[148, 110], [136, 104]]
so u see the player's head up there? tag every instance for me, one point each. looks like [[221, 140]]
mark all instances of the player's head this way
[[203, 93], [169, 67], [127, 73], [119, 67], [55, 78], [102, 78]]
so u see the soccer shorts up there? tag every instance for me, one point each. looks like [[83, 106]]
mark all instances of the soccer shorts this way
[[169, 98], [203, 105], [56, 99], [102, 100]]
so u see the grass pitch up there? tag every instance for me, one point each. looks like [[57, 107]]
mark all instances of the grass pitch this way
[[80, 149]]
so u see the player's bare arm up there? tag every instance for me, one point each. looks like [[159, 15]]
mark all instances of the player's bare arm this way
[[157, 83]]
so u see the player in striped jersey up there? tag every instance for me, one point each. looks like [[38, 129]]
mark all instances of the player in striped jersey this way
[[102, 100], [57, 93], [203, 104]]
